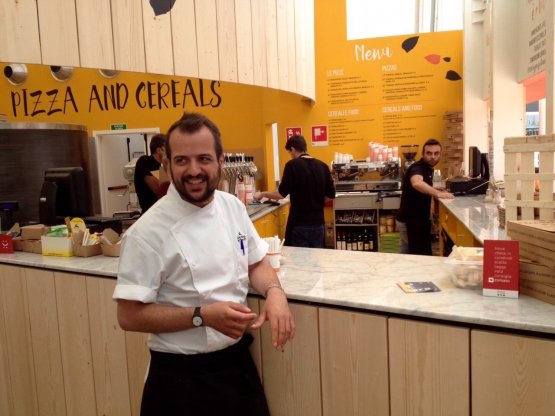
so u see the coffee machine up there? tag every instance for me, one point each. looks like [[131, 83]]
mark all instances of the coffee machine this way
[[409, 153]]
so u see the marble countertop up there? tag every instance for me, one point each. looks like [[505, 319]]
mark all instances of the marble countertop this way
[[481, 218], [362, 280]]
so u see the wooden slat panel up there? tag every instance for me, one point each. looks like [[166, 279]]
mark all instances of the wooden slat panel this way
[[527, 185], [353, 350], [19, 32], [96, 44], [291, 46], [5, 384], [227, 40], [158, 41], [244, 41], [304, 33], [255, 347], [58, 32], [18, 347], [282, 43], [108, 350], [270, 24], [291, 377], [207, 39], [184, 34], [127, 27], [75, 340], [45, 335], [428, 368], [546, 185], [512, 375], [137, 363], [260, 64]]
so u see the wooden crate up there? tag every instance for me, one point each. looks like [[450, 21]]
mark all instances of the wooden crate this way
[[520, 178]]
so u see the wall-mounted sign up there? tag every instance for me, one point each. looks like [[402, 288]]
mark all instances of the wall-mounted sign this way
[[293, 131], [319, 135], [120, 126]]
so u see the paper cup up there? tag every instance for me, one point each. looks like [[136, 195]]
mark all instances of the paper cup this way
[[274, 258]]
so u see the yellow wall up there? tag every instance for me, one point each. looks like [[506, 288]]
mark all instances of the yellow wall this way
[[245, 112], [240, 111]]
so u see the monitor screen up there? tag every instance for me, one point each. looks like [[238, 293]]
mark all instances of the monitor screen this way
[[474, 162], [65, 193]]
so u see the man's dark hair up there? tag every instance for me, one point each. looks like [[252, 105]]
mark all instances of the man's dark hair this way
[[157, 141], [191, 123], [296, 141], [430, 142]]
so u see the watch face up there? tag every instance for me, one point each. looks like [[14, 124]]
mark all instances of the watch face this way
[[197, 321]]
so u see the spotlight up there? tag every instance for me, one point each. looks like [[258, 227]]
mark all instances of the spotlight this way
[[16, 74], [61, 73]]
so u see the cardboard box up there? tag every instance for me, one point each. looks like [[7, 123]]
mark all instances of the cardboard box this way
[[32, 246], [33, 232], [110, 243], [537, 254], [539, 233], [535, 272], [541, 291], [17, 243], [57, 246], [81, 250]]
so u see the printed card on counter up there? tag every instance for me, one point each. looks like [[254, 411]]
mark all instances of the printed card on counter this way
[[501, 268], [418, 287]]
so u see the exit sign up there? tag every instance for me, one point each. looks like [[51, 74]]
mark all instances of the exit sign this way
[[121, 126]]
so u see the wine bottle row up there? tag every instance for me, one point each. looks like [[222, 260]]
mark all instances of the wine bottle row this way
[[355, 240]]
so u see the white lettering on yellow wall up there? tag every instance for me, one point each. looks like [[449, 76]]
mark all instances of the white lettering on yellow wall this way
[[347, 112], [398, 108], [335, 72], [373, 54], [386, 68]]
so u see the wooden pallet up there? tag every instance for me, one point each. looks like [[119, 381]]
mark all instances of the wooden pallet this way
[[521, 196]]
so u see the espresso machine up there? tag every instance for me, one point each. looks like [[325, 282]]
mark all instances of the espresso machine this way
[[409, 153]]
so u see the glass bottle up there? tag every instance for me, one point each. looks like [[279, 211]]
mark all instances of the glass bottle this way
[[366, 241], [360, 242]]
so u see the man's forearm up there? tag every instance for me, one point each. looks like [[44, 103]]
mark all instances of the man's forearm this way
[[263, 278], [271, 195]]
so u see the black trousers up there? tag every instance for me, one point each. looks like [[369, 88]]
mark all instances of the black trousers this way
[[223, 382], [420, 238]]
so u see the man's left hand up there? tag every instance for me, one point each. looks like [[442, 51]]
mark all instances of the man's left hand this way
[[276, 310]]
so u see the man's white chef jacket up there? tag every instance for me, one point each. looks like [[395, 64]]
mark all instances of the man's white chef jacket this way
[[183, 255]]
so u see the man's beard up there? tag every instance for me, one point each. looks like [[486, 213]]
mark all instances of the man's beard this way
[[211, 186]]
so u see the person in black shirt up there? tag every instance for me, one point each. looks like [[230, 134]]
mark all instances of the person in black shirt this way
[[309, 183], [146, 184], [413, 218]]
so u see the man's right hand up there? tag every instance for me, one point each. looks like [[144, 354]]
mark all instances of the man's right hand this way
[[230, 318]]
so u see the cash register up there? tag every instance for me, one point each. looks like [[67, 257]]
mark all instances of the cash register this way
[[65, 193]]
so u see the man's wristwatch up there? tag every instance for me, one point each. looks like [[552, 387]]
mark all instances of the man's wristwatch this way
[[197, 318]]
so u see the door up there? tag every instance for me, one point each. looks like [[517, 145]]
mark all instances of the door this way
[[113, 151]]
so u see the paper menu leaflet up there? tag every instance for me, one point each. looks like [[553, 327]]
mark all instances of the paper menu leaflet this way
[[501, 268], [418, 287]]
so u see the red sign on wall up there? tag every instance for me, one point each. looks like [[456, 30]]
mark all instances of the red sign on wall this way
[[319, 135], [293, 131]]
